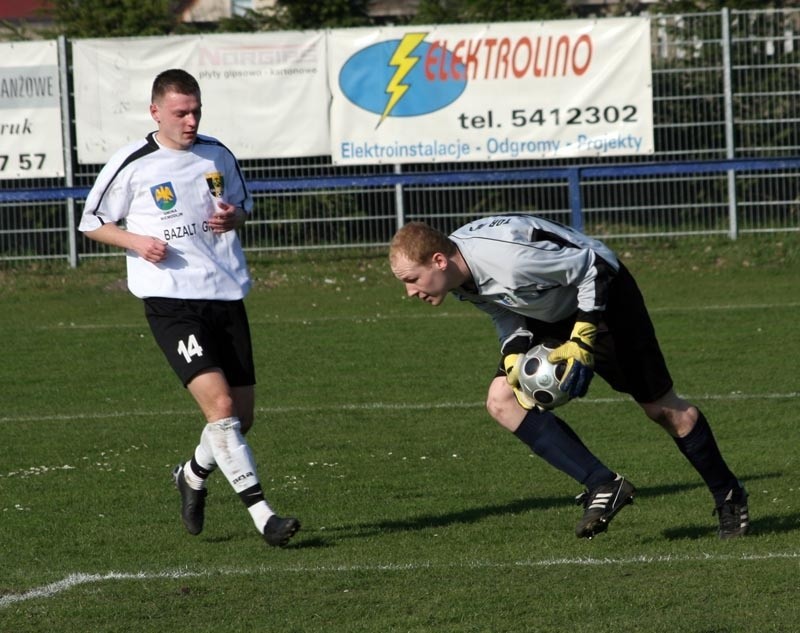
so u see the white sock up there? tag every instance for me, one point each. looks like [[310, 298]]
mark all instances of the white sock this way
[[235, 460], [204, 460], [260, 513]]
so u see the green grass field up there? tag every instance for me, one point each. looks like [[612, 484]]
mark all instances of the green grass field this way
[[419, 513]]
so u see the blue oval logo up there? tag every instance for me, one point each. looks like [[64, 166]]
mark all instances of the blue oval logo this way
[[390, 78]]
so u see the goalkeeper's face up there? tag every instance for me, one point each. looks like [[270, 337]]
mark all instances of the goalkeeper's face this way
[[428, 281]]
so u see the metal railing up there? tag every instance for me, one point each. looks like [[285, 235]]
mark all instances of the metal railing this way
[[726, 101]]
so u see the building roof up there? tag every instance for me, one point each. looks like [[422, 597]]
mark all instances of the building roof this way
[[22, 9]]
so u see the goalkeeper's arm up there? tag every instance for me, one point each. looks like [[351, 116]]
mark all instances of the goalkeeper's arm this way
[[578, 351]]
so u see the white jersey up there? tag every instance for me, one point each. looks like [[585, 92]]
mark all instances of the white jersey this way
[[171, 194], [524, 266]]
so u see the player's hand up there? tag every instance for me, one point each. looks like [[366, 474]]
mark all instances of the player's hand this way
[[512, 364], [578, 351], [150, 249], [226, 218]]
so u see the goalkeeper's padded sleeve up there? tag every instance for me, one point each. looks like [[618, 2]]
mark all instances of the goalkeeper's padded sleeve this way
[[518, 343]]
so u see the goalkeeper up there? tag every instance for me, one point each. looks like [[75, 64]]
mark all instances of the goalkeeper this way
[[539, 280]]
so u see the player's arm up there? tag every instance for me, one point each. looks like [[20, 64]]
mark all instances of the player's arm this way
[[227, 217], [232, 216], [149, 248], [578, 351], [515, 339], [591, 274]]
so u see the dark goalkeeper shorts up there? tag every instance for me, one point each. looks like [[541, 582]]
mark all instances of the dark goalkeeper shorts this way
[[196, 335], [627, 354]]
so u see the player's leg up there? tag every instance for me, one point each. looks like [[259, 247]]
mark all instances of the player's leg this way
[[237, 355], [692, 434], [547, 435], [552, 439], [180, 329], [244, 404], [628, 356], [223, 441], [206, 343]]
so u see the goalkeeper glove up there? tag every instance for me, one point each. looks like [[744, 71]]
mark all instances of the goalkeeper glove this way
[[578, 351], [512, 364]]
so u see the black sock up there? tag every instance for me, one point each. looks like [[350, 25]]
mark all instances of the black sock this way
[[555, 442], [252, 495], [198, 471], [701, 449]]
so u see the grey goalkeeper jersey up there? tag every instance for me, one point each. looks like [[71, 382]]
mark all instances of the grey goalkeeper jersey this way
[[525, 266]]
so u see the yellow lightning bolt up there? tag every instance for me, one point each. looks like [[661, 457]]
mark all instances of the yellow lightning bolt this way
[[404, 62]]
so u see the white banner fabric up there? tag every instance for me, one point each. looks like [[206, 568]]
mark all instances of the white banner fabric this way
[[264, 95], [502, 91], [31, 140]]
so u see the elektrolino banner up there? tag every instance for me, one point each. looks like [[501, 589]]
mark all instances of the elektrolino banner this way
[[533, 90], [31, 141], [265, 95]]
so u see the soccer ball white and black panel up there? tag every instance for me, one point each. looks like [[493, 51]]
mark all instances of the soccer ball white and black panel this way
[[540, 379]]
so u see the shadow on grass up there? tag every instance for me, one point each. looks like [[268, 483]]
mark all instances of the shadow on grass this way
[[762, 525], [473, 515]]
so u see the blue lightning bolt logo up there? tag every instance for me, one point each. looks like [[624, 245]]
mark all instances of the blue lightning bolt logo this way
[[404, 62]]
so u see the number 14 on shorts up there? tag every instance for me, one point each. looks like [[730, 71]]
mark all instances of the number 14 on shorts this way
[[189, 348]]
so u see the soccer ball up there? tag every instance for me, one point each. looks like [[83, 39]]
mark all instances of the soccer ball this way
[[540, 379]]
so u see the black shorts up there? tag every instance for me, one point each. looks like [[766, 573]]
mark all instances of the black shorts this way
[[197, 334], [626, 353]]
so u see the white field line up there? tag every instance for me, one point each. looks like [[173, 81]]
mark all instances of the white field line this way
[[376, 406], [378, 316], [77, 579]]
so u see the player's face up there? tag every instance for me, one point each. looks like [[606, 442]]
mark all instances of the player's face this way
[[428, 282], [178, 117]]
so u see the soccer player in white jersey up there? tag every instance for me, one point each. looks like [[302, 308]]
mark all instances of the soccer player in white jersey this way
[[182, 197], [539, 280]]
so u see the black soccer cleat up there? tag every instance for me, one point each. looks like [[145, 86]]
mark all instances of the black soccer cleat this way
[[602, 504], [193, 502], [734, 520], [278, 531]]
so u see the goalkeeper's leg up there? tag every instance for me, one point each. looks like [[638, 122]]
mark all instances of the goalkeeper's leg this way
[[693, 436], [548, 436], [552, 439]]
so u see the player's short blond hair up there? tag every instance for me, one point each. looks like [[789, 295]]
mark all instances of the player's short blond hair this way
[[418, 242]]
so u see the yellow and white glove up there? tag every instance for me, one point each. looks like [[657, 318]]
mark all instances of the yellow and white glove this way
[[512, 364], [578, 351]]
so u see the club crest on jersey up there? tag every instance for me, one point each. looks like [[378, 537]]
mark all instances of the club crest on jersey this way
[[216, 183], [164, 196]]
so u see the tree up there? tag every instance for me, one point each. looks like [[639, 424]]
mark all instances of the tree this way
[[114, 18], [461, 11], [312, 14], [293, 15]]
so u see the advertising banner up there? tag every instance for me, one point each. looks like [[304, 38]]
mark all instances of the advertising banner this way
[[31, 141], [265, 95], [503, 91]]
